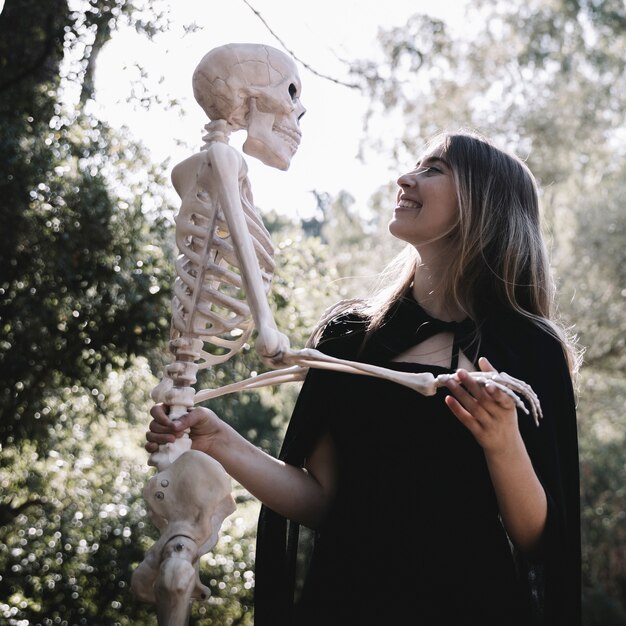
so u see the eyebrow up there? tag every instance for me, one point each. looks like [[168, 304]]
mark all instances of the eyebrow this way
[[434, 159]]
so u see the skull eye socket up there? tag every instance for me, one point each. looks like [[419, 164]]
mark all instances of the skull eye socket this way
[[293, 91]]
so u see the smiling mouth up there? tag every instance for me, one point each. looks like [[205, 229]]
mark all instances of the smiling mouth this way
[[409, 204]]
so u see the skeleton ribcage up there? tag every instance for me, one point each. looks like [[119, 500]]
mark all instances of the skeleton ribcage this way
[[209, 300]]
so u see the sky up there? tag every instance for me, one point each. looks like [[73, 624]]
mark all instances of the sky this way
[[321, 34]]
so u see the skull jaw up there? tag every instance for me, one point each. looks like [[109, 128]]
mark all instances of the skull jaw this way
[[259, 149], [267, 144]]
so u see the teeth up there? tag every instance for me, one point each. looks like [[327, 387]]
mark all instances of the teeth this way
[[289, 135], [409, 204]]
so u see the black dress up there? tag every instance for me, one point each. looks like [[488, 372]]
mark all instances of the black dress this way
[[414, 536]]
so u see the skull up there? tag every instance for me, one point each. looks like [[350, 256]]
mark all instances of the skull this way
[[255, 87]]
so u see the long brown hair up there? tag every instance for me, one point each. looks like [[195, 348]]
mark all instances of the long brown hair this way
[[501, 260]]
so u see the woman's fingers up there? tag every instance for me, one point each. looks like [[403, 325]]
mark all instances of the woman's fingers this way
[[157, 427], [463, 415], [163, 423], [199, 422], [461, 393], [471, 388], [162, 437], [499, 397], [161, 429], [478, 399], [485, 365], [487, 411], [160, 413]]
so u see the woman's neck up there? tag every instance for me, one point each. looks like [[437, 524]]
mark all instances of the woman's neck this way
[[430, 291]]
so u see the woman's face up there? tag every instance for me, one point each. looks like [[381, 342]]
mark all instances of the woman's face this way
[[427, 207]]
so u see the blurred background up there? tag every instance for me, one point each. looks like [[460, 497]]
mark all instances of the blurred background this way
[[96, 108]]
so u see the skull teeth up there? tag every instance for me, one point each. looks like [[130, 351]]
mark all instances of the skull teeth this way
[[291, 136]]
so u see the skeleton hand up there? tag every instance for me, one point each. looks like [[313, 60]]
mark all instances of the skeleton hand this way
[[488, 412], [272, 345]]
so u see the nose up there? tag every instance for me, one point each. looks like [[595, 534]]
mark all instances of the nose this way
[[407, 180], [300, 110]]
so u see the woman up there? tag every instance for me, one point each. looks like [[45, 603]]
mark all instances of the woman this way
[[442, 510]]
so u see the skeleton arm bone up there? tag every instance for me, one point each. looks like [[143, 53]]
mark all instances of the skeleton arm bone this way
[[226, 164], [423, 382]]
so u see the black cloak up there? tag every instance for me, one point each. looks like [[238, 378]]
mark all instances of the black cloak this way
[[549, 580]]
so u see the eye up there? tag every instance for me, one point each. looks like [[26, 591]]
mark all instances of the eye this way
[[428, 169], [293, 91]]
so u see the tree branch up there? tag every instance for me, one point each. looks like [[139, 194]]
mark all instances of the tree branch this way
[[308, 67]]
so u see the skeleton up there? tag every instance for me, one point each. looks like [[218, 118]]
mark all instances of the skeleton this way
[[224, 273]]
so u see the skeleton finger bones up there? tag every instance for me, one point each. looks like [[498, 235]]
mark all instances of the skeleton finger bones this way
[[507, 384]]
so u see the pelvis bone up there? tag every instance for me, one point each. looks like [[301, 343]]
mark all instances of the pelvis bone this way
[[188, 502]]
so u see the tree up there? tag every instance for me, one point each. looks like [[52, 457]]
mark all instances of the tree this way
[[84, 272]]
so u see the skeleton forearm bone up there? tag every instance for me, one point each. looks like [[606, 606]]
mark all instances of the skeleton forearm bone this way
[[424, 382]]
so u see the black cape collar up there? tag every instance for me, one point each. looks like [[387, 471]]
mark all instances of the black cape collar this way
[[408, 324]]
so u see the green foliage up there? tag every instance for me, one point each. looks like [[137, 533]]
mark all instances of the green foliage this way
[[603, 474], [83, 269], [600, 609], [69, 554], [84, 277]]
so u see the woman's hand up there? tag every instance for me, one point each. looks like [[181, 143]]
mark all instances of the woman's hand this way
[[491, 416], [294, 492], [488, 413], [203, 424]]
